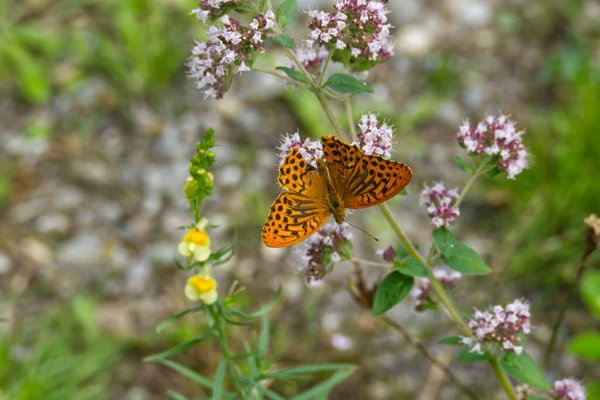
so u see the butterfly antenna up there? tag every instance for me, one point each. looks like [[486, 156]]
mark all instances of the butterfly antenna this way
[[362, 230]]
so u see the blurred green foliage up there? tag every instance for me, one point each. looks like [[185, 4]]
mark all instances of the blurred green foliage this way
[[63, 355], [139, 46]]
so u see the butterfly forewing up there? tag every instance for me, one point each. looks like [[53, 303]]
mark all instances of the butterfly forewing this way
[[363, 180], [295, 177], [293, 217], [298, 214]]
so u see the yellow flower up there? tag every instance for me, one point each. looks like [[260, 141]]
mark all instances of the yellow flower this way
[[196, 242], [203, 288]]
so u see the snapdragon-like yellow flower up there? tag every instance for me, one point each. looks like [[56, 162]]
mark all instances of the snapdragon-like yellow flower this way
[[202, 287], [196, 242]]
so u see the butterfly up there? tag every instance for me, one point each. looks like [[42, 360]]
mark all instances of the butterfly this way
[[348, 178]]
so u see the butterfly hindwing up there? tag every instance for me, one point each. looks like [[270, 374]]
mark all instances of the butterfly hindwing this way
[[292, 218], [364, 180]]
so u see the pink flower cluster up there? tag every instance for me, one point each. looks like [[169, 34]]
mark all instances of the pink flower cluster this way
[[310, 57], [359, 25], [213, 8], [438, 201], [374, 138], [500, 326], [421, 292], [322, 250], [310, 150], [568, 389], [228, 48], [496, 136]]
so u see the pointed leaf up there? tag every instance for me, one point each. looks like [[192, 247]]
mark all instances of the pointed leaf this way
[[392, 290], [464, 259], [285, 40], [452, 340], [524, 368], [444, 240], [286, 12], [217, 388], [462, 164], [179, 348], [347, 84], [263, 342], [412, 267], [161, 327], [292, 73], [466, 355]]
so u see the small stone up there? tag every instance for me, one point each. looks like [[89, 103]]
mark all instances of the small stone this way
[[52, 223], [36, 251], [83, 251], [5, 263]]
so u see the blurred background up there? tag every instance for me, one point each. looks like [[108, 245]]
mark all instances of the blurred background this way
[[97, 124]]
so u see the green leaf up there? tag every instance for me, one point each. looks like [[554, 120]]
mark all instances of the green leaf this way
[[493, 172], [444, 240], [412, 267], [263, 341], [285, 40], [292, 73], [196, 377], [586, 345], [462, 164], [452, 340], [465, 260], [392, 290], [593, 390], [403, 192], [347, 84], [524, 368], [161, 327], [465, 355], [179, 348], [322, 389], [590, 291], [174, 395], [457, 255], [262, 311], [341, 372], [286, 12], [217, 388]]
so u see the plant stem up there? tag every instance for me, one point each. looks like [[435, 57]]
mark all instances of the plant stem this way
[[373, 263], [348, 105], [563, 309], [421, 349], [325, 65], [280, 76], [502, 378]]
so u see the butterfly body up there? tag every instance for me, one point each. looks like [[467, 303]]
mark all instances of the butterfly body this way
[[335, 203], [347, 178]]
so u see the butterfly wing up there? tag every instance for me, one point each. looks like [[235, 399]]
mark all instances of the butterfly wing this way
[[293, 218], [363, 180], [299, 213]]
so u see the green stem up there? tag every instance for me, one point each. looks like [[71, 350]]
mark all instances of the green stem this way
[[563, 309], [325, 65], [502, 378], [348, 105], [423, 350], [280, 76]]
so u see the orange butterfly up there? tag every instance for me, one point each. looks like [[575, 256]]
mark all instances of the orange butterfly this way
[[348, 178]]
